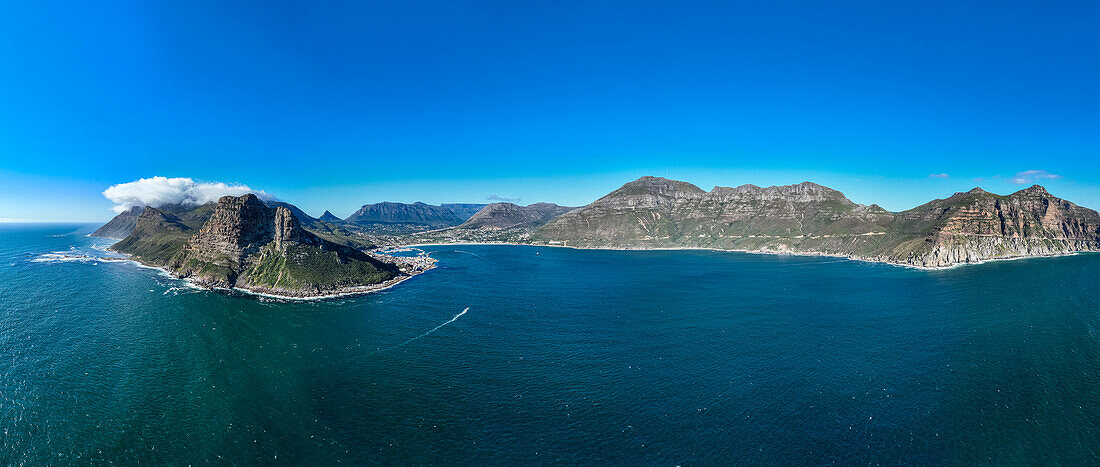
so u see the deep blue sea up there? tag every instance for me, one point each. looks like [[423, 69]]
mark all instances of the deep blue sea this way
[[566, 356]]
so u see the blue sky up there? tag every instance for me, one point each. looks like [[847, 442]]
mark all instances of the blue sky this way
[[335, 105]]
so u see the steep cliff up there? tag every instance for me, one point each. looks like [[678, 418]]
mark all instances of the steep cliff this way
[[977, 225]]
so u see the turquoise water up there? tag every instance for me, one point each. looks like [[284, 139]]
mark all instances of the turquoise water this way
[[566, 356]]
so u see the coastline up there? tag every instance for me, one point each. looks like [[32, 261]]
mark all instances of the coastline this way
[[765, 252], [342, 293], [349, 292], [346, 292]]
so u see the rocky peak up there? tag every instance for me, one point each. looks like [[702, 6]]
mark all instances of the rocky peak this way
[[238, 226], [287, 228], [329, 217], [1034, 190], [657, 186], [976, 191]]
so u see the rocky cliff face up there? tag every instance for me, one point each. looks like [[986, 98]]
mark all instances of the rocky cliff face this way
[[249, 245], [809, 218], [977, 225], [238, 227], [509, 215]]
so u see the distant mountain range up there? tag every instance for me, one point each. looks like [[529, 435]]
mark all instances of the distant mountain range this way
[[654, 212], [420, 214], [509, 215]]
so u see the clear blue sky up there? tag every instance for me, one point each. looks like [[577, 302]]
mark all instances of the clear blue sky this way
[[335, 105]]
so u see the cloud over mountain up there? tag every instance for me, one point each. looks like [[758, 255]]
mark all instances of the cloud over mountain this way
[[160, 191], [1028, 177]]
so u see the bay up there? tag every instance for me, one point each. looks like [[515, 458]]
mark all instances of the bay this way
[[574, 356]]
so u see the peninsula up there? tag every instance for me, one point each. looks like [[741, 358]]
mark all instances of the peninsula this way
[[242, 243]]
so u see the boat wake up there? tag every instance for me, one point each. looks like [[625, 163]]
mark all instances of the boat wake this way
[[471, 254], [455, 317]]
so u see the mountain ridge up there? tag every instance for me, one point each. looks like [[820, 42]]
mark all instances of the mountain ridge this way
[[808, 218]]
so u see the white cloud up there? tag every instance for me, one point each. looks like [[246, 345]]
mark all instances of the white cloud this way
[[943, 175], [1032, 176], [160, 191], [497, 198]]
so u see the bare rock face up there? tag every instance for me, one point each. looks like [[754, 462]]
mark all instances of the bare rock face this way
[[238, 227], [977, 226]]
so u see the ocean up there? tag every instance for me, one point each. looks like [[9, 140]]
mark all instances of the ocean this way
[[516, 354]]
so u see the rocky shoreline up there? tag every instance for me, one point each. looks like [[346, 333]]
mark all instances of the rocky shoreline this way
[[772, 252], [293, 295]]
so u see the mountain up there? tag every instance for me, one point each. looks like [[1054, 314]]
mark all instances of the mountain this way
[[509, 215], [246, 244], [653, 212], [330, 218], [463, 210], [303, 218], [401, 213], [121, 225], [978, 225]]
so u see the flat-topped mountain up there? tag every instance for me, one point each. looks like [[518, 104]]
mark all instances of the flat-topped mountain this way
[[509, 215], [247, 244], [400, 213], [653, 212], [464, 210]]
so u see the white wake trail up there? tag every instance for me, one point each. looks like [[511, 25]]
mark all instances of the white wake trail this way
[[455, 317]]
